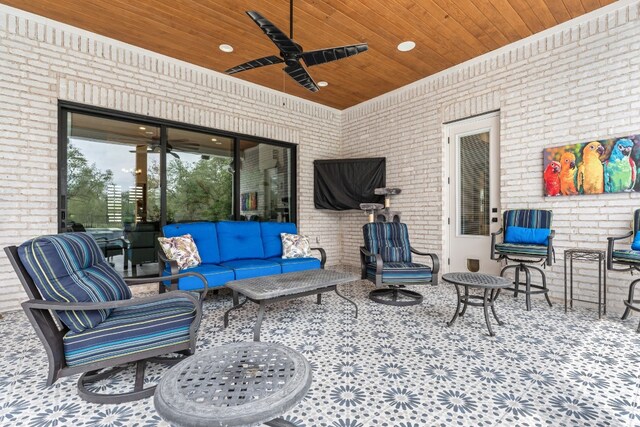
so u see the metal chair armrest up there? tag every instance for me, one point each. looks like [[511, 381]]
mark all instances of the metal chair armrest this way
[[493, 244], [55, 305], [435, 261], [163, 260], [366, 253], [174, 281], [550, 252], [323, 256], [610, 245]]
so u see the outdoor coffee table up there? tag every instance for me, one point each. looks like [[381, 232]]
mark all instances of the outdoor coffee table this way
[[280, 287], [232, 385], [491, 285]]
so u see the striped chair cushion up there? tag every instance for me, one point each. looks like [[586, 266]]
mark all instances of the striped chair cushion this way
[[626, 255], [70, 267], [529, 218], [132, 330], [387, 234], [524, 250], [401, 272]]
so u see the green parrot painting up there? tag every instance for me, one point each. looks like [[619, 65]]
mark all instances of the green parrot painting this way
[[620, 169]]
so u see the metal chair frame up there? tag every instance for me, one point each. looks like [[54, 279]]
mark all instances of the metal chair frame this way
[[523, 265], [51, 331], [392, 294]]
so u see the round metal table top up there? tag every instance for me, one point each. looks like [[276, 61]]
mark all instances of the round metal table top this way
[[477, 280], [235, 384]]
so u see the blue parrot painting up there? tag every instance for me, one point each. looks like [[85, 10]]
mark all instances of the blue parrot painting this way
[[620, 169]]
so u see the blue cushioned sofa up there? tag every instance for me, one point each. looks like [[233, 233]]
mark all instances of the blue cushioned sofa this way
[[234, 250]]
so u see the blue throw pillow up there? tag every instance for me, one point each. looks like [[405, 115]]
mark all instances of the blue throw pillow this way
[[636, 243], [527, 236]]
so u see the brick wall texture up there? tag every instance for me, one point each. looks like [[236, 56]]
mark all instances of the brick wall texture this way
[[575, 83]]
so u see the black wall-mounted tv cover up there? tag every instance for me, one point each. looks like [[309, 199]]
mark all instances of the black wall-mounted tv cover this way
[[345, 183]]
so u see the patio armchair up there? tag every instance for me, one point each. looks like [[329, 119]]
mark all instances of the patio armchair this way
[[386, 259], [627, 260], [84, 315], [528, 242], [143, 244]]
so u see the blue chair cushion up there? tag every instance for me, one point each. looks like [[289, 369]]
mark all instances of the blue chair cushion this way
[[204, 235], [132, 330], [70, 267], [524, 250], [527, 236], [626, 255], [247, 268], [216, 276], [401, 272], [387, 234], [290, 265], [271, 241], [636, 242], [239, 240]]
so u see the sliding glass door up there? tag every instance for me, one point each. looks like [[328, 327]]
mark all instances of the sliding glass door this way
[[113, 187], [122, 177]]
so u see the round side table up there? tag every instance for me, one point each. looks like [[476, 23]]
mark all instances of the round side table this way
[[233, 385], [491, 285]]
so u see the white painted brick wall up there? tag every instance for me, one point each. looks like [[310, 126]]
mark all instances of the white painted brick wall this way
[[42, 61], [578, 82], [574, 84]]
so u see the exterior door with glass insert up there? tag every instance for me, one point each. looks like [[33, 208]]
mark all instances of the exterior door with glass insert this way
[[474, 193]]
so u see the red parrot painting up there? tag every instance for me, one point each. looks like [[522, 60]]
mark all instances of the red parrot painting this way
[[552, 179]]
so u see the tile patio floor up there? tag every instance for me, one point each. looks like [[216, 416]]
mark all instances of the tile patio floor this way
[[391, 367]]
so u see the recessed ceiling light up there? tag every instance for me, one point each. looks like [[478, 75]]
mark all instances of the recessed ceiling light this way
[[149, 132], [218, 143], [226, 48], [406, 46], [213, 139], [323, 84], [142, 128]]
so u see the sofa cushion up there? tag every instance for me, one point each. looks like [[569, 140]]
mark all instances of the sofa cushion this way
[[247, 268], [239, 240], [289, 265], [271, 240], [70, 267], [401, 272], [216, 276], [203, 233], [131, 330]]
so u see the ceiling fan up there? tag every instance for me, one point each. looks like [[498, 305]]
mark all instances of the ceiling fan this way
[[155, 148], [291, 52]]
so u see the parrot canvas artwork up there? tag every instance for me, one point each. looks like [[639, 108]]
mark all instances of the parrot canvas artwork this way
[[593, 167]]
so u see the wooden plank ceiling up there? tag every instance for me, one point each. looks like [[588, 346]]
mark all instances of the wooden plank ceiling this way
[[446, 32]]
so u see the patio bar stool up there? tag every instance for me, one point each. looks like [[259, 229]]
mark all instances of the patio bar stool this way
[[527, 242]]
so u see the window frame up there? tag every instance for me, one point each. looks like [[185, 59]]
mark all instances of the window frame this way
[[65, 108]]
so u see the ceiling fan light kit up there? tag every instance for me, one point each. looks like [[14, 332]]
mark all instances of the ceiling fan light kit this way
[[291, 52]]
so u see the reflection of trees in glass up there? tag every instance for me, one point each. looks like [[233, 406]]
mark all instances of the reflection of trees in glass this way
[[199, 190], [86, 190]]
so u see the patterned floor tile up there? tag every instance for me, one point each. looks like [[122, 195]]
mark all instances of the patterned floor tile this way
[[391, 367]]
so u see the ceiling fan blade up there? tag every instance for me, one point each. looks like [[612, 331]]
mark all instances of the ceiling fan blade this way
[[261, 62], [280, 39], [322, 56], [300, 75]]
